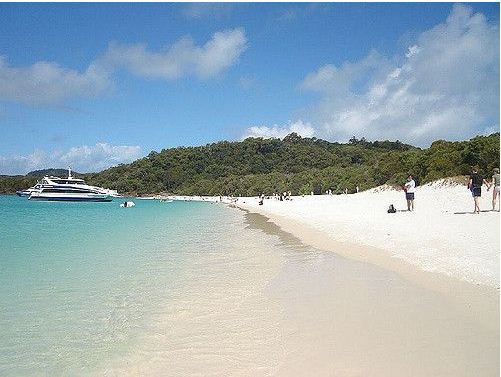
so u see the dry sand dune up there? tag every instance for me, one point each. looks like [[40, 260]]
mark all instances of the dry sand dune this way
[[441, 235]]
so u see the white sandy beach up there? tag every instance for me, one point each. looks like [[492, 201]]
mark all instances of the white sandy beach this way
[[441, 235]]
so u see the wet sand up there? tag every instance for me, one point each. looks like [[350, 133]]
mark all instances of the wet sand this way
[[353, 318]]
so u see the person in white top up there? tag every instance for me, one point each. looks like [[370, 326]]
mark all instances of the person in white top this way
[[410, 189]]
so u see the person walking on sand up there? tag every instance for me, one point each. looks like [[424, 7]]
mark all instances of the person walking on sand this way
[[495, 192], [410, 189], [261, 199], [475, 185]]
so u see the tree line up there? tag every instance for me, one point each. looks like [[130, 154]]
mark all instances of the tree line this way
[[296, 164]]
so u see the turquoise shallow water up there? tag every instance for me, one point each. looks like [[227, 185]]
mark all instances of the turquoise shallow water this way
[[80, 283]]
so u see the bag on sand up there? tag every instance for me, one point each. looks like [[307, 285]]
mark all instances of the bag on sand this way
[[392, 209]]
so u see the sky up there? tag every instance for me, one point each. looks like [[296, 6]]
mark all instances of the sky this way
[[93, 85]]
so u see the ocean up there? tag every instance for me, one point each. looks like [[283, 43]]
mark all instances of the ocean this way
[[92, 288]]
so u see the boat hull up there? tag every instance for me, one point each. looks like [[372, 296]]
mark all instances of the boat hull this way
[[71, 198]]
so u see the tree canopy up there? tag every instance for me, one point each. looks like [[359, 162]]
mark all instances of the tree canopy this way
[[296, 164]]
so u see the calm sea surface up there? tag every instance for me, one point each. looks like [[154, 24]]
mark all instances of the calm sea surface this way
[[91, 288]]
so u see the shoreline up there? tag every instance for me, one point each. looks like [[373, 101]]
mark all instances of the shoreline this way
[[334, 299], [479, 301], [309, 311], [240, 296]]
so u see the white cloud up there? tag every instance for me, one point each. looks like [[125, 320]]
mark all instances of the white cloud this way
[[350, 77], [48, 83], [207, 10], [247, 82], [447, 86], [82, 159], [182, 58], [289, 14], [412, 50], [299, 127]]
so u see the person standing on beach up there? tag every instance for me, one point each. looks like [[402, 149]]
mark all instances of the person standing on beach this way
[[495, 192], [475, 185], [410, 189], [261, 199]]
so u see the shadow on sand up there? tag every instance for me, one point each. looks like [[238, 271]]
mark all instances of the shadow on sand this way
[[471, 213]]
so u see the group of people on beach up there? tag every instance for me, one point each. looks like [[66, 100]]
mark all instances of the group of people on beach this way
[[475, 182], [286, 195]]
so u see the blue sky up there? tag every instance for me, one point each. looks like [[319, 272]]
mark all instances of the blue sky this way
[[93, 85]]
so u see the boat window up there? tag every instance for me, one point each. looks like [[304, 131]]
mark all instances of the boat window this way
[[69, 190], [68, 182]]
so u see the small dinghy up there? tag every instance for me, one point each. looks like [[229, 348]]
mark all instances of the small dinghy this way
[[127, 204]]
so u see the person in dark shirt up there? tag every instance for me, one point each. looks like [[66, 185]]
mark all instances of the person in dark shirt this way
[[475, 185]]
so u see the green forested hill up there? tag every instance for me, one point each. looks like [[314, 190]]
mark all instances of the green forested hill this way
[[296, 164]]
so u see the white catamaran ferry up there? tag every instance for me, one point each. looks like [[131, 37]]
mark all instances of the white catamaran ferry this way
[[67, 189]]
